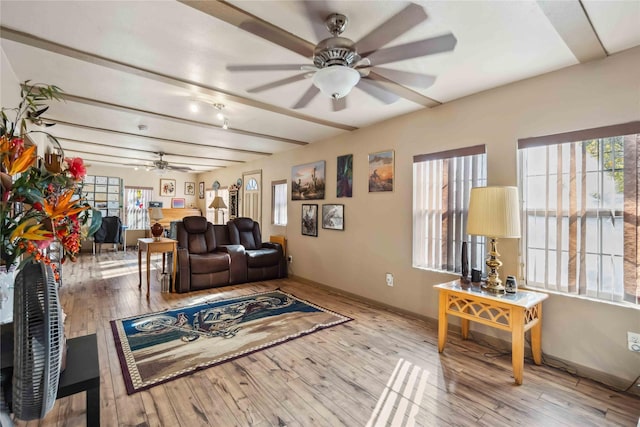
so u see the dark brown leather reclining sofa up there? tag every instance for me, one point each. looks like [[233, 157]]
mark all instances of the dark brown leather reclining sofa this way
[[218, 255]]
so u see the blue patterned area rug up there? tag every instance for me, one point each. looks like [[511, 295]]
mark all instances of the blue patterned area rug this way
[[158, 347]]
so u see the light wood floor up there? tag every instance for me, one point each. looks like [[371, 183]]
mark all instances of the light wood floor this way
[[335, 377]]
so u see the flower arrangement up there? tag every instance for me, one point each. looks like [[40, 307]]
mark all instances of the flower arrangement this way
[[41, 201]]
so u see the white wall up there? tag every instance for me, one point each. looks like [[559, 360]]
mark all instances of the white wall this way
[[378, 226]]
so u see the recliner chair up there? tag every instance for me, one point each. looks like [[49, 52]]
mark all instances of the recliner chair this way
[[200, 265], [265, 260]]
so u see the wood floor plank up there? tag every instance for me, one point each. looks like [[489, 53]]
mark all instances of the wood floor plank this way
[[382, 367]]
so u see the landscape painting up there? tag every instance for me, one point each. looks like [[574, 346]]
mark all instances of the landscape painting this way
[[345, 176], [308, 181], [381, 171]]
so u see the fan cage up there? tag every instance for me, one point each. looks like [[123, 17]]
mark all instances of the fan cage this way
[[38, 338]]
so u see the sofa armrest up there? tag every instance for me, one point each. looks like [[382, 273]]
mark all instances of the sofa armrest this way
[[183, 275], [272, 245], [282, 269], [238, 269]]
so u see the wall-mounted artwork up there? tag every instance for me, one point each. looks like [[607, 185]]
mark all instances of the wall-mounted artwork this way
[[177, 203], [167, 187], [333, 217], [345, 176], [381, 171], [307, 181], [189, 188], [310, 220], [201, 190]]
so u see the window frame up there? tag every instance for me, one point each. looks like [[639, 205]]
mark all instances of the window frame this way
[[437, 244], [629, 215], [274, 206], [144, 209]]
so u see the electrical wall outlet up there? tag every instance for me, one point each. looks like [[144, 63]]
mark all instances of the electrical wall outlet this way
[[290, 259], [389, 279], [633, 340]]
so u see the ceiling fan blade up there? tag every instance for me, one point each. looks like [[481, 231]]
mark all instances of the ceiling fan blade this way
[[317, 11], [416, 49], [378, 91], [278, 36], [235, 16], [406, 78], [278, 83], [393, 27], [339, 104], [179, 168], [265, 67], [398, 89], [307, 97]]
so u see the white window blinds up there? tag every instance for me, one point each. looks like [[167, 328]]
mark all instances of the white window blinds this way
[[441, 186], [279, 202], [580, 212], [137, 207]]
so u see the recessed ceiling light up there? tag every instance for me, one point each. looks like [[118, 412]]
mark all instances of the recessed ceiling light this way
[[194, 107]]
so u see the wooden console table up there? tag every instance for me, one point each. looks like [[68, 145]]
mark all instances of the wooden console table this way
[[516, 313], [151, 245]]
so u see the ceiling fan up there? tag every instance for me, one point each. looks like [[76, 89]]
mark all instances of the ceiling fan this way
[[161, 166], [339, 64]]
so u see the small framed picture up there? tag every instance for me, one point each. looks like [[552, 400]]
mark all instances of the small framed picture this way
[[381, 171], [310, 220], [189, 188], [177, 203], [201, 190], [333, 217], [167, 187]]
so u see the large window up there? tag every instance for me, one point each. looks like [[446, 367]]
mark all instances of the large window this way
[[279, 202], [441, 186], [136, 206], [580, 212]]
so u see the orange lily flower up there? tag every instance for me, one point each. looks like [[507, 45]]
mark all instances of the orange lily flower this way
[[63, 207]]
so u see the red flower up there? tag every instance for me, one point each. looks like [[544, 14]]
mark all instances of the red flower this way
[[76, 168], [37, 206]]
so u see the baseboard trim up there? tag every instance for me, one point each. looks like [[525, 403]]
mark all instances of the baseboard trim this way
[[616, 383]]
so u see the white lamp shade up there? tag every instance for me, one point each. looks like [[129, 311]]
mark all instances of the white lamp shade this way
[[336, 81], [494, 212], [156, 214]]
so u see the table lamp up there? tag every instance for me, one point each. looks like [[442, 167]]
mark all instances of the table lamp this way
[[156, 229], [494, 212], [218, 203]]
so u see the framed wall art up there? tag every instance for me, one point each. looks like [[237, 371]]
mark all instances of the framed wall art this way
[[381, 171], [307, 181], [189, 188], [333, 217], [177, 203], [310, 220], [201, 190], [167, 187], [345, 176]]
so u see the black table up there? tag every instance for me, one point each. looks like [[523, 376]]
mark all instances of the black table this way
[[82, 371]]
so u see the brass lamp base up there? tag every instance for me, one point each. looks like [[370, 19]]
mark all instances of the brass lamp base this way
[[493, 283]]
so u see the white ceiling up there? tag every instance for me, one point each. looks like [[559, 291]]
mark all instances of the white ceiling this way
[[127, 63]]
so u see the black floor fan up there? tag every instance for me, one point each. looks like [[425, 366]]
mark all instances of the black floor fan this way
[[38, 342]]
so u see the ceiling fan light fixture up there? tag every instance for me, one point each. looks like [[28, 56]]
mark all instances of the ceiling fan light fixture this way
[[336, 81]]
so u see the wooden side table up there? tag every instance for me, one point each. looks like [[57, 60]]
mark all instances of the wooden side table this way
[[516, 313], [151, 245]]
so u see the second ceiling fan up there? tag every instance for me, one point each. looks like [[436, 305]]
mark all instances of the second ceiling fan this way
[[339, 64]]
